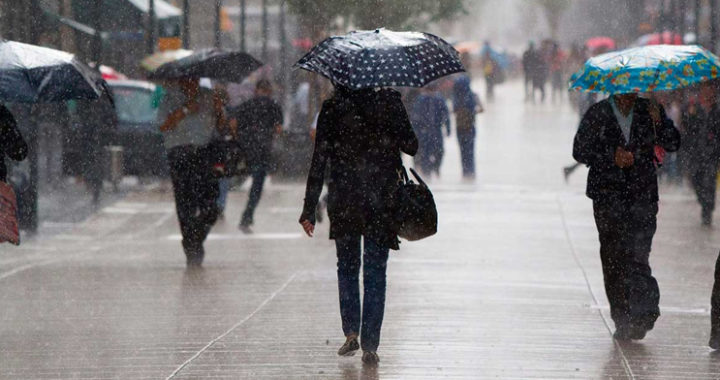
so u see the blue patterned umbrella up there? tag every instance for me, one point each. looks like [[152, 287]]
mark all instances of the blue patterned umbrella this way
[[646, 69], [382, 58]]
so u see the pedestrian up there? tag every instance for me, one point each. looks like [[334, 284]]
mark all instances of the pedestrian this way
[[12, 143], [490, 70], [430, 117], [617, 139], [540, 74], [190, 120], [259, 120], [98, 123], [557, 71], [701, 122], [465, 105], [528, 64], [361, 135]]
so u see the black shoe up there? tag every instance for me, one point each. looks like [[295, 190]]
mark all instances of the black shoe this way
[[714, 339], [637, 333], [706, 218], [194, 257], [370, 358], [350, 347], [245, 228], [622, 333]]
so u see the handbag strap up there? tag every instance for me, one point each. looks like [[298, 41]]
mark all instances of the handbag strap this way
[[417, 177]]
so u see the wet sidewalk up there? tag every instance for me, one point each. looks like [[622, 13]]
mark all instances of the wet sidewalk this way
[[510, 288]]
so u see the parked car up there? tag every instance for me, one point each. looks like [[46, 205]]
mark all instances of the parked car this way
[[137, 131]]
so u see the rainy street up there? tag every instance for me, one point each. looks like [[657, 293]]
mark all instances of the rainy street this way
[[511, 286], [359, 189]]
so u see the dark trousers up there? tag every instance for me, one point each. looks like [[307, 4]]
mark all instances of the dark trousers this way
[[258, 181], [466, 139], [196, 191], [704, 181], [626, 230], [374, 262], [715, 300]]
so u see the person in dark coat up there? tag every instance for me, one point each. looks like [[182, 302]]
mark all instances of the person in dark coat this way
[[361, 135], [430, 116], [12, 143], [702, 130], [99, 123], [617, 139], [259, 120], [466, 105]]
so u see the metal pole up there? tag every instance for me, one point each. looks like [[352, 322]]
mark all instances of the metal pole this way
[[97, 38], [283, 55], [264, 31], [151, 28], [186, 24], [243, 6], [696, 27], [713, 26], [218, 10], [682, 10]]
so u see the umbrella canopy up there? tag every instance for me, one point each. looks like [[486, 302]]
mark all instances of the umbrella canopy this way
[[153, 61], [382, 58], [664, 38], [646, 69], [600, 43], [470, 47], [218, 64], [34, 74]]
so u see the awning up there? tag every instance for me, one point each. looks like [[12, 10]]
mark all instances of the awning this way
[[163, 9]]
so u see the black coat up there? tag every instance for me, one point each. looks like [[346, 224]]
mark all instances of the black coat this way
[[257, 119], [360, 134], [11, 141], [598, 137], [701, 140]]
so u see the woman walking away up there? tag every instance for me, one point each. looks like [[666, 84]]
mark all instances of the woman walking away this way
[[361, 135]]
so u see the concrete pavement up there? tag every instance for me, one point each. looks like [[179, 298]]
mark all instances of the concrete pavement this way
[[510, 287]]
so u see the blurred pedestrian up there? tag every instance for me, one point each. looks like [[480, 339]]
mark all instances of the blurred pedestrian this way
[[617, 139], [701, 122], [430, 117], [12, 143], [259, 120], [190, 119], [360, 134], [540, 73], [98, 123], [465, 105], [557, 72], [490, 70], [529, 58]]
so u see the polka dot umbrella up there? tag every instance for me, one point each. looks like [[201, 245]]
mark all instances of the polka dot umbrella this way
[[382, 58]]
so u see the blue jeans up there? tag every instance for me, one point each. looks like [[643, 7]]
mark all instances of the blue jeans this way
[[222, 197], [258, 181], [374, 260], [466, 139]]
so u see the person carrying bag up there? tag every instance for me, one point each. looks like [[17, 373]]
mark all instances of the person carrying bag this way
[[14, 146]]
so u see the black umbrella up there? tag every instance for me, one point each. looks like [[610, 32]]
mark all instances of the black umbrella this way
[[382, 58], [218, 64], [34, 74]]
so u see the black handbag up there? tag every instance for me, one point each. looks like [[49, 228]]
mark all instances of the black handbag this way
[[417, 213], [226, 157]]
